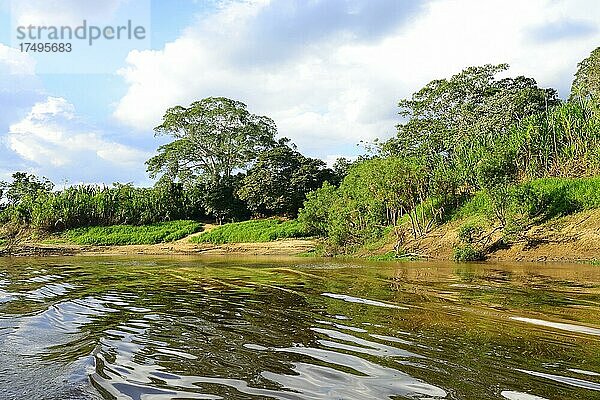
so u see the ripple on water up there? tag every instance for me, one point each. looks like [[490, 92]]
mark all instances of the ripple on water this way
[[581, 383], [359, 300], [512, 395], [560, 325], [135, 330]]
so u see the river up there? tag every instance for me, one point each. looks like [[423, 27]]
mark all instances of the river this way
[[304, 328]]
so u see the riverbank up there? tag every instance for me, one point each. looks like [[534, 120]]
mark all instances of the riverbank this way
[[282, 247], [562, 243], [572, 238]]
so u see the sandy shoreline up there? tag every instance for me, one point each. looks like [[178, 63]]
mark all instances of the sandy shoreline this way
[[180, 247]]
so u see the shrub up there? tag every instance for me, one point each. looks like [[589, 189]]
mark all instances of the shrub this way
[[469, 232], [315, 215], [467, 252]]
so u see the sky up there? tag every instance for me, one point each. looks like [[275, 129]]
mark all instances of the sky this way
[[328, 72]]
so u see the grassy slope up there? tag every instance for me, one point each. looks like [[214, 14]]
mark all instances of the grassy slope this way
[[557, 196], [265, 230], [128, 234], [569, 206]]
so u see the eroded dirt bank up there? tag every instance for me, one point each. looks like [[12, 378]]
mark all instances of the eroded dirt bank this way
[[572, 238]]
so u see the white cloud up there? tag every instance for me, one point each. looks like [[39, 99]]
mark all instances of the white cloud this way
[[15, 62], [19, 86], [56, 141], [331, 159], [338, 86], [61, 12]]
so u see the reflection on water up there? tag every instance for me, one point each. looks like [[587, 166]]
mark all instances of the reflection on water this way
[[560, 325], [185, 328]]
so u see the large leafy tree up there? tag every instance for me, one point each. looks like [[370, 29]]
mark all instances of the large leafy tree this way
[[587, 77], [470, 105], [24, 185], [212, 138], [280, 179], [222, 201], [450, 122]]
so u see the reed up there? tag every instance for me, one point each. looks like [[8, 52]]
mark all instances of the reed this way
[[91, 205]]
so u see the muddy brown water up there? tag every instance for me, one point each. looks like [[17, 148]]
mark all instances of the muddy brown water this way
[[270, 328]]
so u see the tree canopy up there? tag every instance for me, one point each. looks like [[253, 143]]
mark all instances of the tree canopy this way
[[587, 77], [280, 179], [23, 185], [450, 121], [213, 137], [471, 105]]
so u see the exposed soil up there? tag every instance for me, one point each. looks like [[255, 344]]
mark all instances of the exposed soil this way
[[572, 238], [180, 247]]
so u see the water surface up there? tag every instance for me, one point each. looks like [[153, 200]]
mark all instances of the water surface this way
[[232, 328]]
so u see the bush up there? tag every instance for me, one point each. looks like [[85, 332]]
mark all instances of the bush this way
[[467, 252], [469, 233], [496, 175], [315, 215]]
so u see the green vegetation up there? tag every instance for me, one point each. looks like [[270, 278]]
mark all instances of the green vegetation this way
[[587, 77], [277, 184], [128, 234], [265, 230], [492, 154], [40, 208], [467, 252], [215, 137], [543, 198], [502, 152]]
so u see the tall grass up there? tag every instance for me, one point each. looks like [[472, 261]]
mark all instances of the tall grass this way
[[563, 141], [546, 197], [563, 196], [129, 234], [90, 205], [265, 230]]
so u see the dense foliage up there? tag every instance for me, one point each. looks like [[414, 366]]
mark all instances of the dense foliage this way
[[128, 234], [375, 194], [278, 182], [265, 230], [89, 205], [466, 137], [587, 78], [213, 137]]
